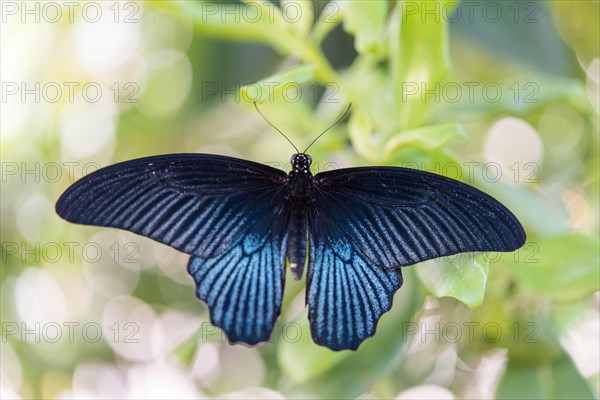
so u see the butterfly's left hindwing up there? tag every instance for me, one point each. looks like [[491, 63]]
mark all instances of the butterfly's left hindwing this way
[[243, 287]]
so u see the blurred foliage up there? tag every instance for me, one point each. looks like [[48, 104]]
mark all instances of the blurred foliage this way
[[201, 70]]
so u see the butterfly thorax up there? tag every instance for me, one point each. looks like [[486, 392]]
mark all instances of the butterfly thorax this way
[[299, 180], [299, 186]]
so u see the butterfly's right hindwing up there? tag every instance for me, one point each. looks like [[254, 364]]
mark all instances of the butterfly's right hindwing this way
[[199, 204], [346, 292]]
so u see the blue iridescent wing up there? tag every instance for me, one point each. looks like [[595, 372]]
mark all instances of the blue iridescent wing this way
[[243, 287], [200, 204], [346, 293], [401, 216], [229, 214], [366, 223]]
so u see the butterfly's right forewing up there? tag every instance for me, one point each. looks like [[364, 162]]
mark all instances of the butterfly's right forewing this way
[[401, 216]]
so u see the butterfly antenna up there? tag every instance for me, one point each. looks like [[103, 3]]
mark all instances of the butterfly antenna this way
[[332, 125], [274, 127]]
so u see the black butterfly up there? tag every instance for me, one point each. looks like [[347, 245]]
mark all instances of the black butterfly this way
[[240, 220]]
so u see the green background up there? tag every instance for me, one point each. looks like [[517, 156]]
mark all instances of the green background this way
[[502, 95]]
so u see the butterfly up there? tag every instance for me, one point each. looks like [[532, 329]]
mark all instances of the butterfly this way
[[240, 221]]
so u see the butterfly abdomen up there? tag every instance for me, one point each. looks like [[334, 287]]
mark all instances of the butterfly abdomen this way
[[296, 242]]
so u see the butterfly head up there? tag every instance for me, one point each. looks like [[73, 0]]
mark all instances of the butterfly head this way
[[301, 163]]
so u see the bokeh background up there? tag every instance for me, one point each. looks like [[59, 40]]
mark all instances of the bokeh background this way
[[502, 95]]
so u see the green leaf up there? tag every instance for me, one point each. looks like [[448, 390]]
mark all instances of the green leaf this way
[[521, 95], [564, 267], [263, 90], [329, 18], [299, 14], [267, 12], [557, 380], [530, 206], [428, 138], [258, 21], [367, 83], [360, 129], [419, 57], [365, 20], [462, 277], [255, 21], [518, 39], [377, 357], [303, 360]]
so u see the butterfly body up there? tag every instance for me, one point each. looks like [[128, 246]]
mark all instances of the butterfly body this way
[[299, 187], [239, 221]]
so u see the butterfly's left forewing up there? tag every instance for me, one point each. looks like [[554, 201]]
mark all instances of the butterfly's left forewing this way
[[199, 204]]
